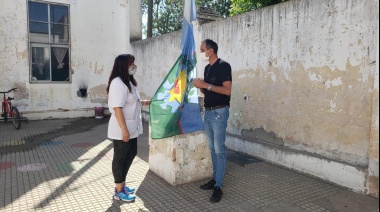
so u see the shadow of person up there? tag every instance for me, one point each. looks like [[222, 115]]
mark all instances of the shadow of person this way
[[116, 205]]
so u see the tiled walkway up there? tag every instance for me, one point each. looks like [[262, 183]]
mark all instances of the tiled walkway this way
[[65, 165]]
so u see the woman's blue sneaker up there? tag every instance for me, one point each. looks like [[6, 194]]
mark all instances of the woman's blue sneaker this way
[[124, 197], [129, 190]]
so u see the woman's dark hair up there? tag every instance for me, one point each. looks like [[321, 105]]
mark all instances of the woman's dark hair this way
[[120, 69], [210, 44]]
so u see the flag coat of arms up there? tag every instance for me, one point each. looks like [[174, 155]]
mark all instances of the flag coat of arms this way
[[174, 108]]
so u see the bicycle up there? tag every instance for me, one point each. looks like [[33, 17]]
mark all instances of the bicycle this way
[[8, 110]]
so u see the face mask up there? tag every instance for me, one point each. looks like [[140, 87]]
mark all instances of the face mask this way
[[204, 57], [132, 70]]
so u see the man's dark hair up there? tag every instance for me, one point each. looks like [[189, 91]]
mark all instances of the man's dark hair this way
[[210, 44]]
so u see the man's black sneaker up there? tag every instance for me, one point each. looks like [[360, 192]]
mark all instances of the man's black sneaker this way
[[217, 195], [208, 186]]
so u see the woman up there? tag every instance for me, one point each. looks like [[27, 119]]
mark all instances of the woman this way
[[125, 124]]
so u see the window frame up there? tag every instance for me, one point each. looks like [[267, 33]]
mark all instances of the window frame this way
[[50, 44]]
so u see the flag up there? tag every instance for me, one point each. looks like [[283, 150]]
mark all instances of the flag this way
[[174, 108]]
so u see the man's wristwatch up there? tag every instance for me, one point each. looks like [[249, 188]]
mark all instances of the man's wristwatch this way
[[209, 87]]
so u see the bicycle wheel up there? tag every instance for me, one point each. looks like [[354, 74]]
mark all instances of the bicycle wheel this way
[[16, 119]]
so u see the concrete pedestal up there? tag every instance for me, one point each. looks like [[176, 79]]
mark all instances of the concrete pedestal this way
[[180, 159]]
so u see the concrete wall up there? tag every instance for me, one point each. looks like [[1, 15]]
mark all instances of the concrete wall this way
[[307, 70], [373, 169], [99, 31], [135, 20]]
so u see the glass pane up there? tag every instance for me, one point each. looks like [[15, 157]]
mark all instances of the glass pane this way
[[40, 63], [59, 14], [39, 32], [60, 64], [59, 33], [38, 12]]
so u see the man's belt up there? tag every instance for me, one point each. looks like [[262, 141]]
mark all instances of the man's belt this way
[[215, 107]]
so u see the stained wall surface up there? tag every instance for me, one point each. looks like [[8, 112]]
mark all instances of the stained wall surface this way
[[308, 70]]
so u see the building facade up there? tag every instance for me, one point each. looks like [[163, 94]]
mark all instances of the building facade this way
[[53, 50]]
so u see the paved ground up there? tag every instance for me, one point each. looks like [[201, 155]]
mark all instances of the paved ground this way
[[65, 165]]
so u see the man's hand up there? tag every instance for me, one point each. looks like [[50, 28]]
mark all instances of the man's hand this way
[[199, 83]]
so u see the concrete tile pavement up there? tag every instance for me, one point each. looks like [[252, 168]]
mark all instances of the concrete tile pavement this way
[[65, 165]]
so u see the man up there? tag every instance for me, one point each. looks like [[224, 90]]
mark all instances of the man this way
[[216, 88]]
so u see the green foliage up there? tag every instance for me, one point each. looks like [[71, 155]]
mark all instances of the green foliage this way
[[167, 14], [242, 6], [222, 7]]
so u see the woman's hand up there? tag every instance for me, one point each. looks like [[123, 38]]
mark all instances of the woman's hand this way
[[145, 102], [120, 119], [125, 134]]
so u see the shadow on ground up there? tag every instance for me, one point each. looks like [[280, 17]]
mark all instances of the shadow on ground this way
[[32, 141], [78, 160], [31, 160]]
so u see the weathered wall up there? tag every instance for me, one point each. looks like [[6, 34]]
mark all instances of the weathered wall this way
[[99, 31], [307, 70], [373, 169], [14, 54], [135, 20]]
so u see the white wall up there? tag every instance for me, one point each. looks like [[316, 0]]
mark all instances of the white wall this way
[[99, 31]]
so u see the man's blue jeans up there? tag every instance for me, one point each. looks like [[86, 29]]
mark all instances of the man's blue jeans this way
[[215, 127]]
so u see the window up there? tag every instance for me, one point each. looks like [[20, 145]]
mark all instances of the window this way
[[49, 42]]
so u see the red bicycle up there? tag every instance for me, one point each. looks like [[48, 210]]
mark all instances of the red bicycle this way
[[8, 111]]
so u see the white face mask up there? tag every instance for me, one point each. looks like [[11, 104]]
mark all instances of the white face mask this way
[[204, 57], [132, 70]]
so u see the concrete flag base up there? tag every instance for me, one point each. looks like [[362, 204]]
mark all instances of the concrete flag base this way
[[180, 159]]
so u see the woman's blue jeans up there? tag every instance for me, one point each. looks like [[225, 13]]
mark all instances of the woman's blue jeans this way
[[215, 127]]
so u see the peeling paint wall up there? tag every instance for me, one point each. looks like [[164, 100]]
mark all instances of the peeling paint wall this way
[[303, 77], [307, 68], [14, 48], [99, 31]]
